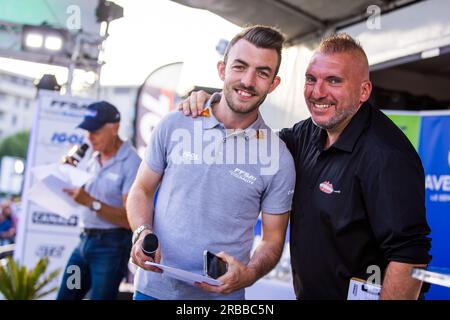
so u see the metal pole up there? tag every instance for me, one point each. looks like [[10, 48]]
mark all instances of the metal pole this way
[[73, 62], [101, 63], [97, 84]]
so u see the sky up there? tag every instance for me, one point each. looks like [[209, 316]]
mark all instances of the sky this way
[[151, 34]]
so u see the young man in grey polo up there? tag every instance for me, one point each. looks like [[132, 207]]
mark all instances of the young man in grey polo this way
[[216, 174], [103, 252]]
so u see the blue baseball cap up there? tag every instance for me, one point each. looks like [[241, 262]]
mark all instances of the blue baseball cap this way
[[98, 114]]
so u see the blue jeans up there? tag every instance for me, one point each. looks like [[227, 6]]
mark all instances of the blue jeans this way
[[140, 296], [103, 262]]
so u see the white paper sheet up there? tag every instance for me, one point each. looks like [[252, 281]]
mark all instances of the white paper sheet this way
[[40, 172], [184, 275], [77, 177], [65, 172], [48, 192], [361, 290]]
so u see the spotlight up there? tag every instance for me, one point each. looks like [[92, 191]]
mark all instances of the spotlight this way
[[53, 43], [44, 39], [47, 82], [108, 11], [34, 40]]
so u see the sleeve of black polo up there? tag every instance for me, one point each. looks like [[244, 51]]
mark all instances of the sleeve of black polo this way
[[394, 195]]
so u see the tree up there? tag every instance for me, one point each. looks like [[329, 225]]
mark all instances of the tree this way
[[15, 145]]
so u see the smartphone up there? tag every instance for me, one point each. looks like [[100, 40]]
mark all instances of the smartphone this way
[[213, 266]]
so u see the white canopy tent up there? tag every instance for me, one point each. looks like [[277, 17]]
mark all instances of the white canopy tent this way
[[405, 31]]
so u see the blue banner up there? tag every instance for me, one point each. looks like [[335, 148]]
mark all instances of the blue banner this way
[[434, 150]]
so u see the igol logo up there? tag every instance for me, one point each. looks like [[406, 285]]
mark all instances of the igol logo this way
[[63, 137]]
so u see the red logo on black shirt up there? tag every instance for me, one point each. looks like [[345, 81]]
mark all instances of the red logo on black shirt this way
[[327, 187]]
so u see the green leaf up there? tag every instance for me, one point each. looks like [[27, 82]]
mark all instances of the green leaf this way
[[13, 271], [47, 280], [21, 284], [16, 282], [38, 270], [5, 284]]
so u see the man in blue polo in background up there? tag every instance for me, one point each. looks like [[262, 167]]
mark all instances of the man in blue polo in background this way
[[104, 249]]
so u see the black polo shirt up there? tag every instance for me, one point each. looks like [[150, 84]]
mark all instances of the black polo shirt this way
[[359, 203]]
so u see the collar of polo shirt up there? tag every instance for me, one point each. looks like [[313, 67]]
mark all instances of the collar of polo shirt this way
[[211, 121]]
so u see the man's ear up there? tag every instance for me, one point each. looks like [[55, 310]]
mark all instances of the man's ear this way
[[276, 81], [366, 89], [115, 127], [221, 70]]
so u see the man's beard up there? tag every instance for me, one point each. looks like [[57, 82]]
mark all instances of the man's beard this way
[[337, 119], [251, 108]]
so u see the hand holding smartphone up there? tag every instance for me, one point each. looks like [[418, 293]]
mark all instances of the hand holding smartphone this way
[[213, 266]]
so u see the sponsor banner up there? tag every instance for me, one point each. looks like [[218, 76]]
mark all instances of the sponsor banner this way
[[41, 220], [435, 154], [409, 123], [59, 107], [56, 246], [53, 133], [152, 105], [54, 143]]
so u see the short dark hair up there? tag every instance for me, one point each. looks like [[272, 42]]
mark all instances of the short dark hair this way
[[341, 43], [262, 37]]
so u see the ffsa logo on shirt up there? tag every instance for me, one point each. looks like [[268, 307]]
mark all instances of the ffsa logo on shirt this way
[[327, 187], [243, 175]]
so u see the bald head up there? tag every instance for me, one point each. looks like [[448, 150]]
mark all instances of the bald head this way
[[336, 83], [343, 43]]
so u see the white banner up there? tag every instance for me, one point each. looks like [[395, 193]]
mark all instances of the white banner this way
[[42, 233]]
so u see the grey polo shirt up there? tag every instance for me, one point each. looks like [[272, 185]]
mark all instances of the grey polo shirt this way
[[214, 185], [110, 183]]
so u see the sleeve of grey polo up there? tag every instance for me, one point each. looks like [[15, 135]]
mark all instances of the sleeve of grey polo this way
[[131, 167], [277, 197], [155, 154]]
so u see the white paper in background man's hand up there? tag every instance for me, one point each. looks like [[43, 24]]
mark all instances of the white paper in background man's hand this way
[[76, 176], [40, 172], [65, 172], [48, 194]]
